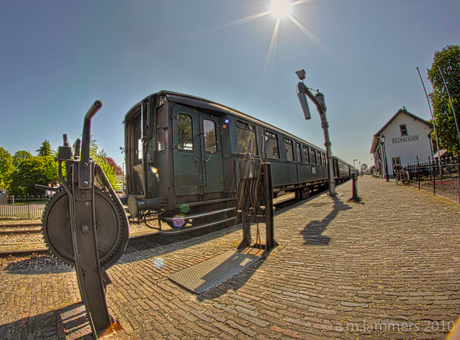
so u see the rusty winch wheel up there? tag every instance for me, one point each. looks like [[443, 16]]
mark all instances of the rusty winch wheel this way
[[110, 228]]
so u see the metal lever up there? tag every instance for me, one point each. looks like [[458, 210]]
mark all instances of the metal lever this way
[[86, 136], [93, 110], [85, 178], [76, 147]]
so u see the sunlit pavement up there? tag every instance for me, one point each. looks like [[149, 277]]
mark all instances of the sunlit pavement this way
[[386, 267]]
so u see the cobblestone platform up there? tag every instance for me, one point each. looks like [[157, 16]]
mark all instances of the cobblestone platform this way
[[384, 268]]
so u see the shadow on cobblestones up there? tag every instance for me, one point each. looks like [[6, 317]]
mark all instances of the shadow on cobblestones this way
[[233, 284], [39, 265], [67, 323], [313, 231], [173, 243]]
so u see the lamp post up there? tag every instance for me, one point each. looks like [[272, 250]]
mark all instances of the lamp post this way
[[318, 100], [384, 156]]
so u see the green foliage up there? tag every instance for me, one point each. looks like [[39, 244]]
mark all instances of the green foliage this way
[[20, 173], [19, 156], [45, 149], [449, 61], [6, 168], [94, 151], [108, 170], [100, 157], [35, 170]]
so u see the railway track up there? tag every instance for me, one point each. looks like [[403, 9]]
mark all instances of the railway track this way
[[29, 231], [137, 242]]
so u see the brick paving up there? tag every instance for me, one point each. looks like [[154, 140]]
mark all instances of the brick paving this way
[[384, 268]]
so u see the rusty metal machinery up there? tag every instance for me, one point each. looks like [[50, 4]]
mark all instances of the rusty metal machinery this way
[[255, 202], [85, 226]]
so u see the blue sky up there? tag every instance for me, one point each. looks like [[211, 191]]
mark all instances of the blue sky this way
[[58, 57]]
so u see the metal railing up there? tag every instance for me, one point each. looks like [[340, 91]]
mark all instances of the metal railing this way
[[26, 206], [439, 177]]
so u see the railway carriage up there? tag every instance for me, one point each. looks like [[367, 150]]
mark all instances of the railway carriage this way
[[184, 159]]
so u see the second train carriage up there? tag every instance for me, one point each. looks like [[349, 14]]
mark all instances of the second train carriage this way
[[184, 153]]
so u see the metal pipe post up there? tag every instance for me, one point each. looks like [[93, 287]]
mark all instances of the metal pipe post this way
[[327, 144], [270, 242], [354, 178], [451, 104], [431, 112], [318, 100]]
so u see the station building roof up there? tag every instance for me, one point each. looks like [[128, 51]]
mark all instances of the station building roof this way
[[375, 138]]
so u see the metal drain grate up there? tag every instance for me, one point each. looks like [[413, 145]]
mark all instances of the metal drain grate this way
[[210, 273]]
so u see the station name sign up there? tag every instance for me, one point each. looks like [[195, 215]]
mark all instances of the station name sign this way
[[405, 139]]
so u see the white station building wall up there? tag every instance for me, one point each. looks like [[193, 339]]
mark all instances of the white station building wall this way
[[406, 147]]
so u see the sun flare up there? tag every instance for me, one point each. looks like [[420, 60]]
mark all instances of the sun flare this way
[[280, 9]]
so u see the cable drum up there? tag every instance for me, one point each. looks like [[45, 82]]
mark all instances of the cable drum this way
[[110, 228]]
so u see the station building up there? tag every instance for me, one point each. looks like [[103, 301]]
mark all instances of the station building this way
[[404, 139]]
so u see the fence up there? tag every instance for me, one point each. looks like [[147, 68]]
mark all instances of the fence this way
[[27, 206], [440, 177]]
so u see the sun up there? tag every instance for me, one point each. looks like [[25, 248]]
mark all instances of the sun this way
[[280, 9]]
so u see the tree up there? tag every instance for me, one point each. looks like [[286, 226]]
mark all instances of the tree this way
[[449, 61], [100, 157], [108, 170], [118, 170], [36, 170], [45, 149], [364, 167], [19, 156], [6, 168]]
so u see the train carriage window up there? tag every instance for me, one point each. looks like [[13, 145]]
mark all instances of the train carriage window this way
[[271, 145], [138, 137], [288, 149], [161, 130], [299, 152], [140, 150], [324, 159], [210, 140], [245, 133], [184, 131], [313, 156], [318, 158], [306, 154]]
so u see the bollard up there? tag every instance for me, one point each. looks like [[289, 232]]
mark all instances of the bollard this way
[[354, 178]]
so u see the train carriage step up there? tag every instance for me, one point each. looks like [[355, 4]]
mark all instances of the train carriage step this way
[[204, 214], [197, 227]]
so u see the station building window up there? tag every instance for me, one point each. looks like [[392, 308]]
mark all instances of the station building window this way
[[244, 133], [403, 129], [306, 154], [288, 149], [184, 131], [271, 145], [210, 140]]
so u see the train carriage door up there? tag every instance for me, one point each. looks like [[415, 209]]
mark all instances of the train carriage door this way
[[186, 151], [212, 178]]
